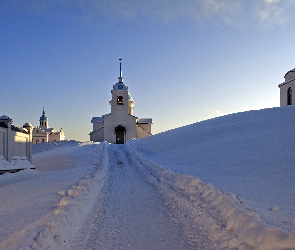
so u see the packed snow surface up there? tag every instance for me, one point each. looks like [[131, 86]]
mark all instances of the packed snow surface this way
[[251, 154], [224, 183]]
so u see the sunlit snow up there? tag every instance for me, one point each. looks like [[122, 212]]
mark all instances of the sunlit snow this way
[[221, 183]]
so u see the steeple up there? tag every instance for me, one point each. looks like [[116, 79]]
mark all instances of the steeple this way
[[120, 77], [43, 120]]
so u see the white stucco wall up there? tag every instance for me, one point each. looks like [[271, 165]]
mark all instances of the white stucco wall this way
[[97, 125], [284, 93], [15, 143], [20, 144], [97, 135], [146, 127], [141, 133], [39, 135], [289, 82], [111, 121], [3, 141]]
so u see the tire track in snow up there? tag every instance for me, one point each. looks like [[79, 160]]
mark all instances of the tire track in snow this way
[[130, 214]]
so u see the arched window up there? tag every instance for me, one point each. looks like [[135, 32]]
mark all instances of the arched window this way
[[289, 96], [119, 100]]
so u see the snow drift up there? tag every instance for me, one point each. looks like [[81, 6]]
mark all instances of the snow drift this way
[[73, 207], [215, 210], [250, 154]]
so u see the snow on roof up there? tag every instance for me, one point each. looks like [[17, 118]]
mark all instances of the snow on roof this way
[[96, 119], [145, 120]]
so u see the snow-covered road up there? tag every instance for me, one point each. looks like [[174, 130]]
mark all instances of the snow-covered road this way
[[132, 214], [102, 196]]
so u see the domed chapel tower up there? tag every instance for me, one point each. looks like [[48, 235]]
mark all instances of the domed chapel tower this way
[[43, 120], [120, 125], [287, 88]]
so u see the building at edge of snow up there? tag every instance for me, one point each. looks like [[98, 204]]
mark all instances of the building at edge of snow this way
[[15, 141], [43, 133], [120, 125], [286, 89]]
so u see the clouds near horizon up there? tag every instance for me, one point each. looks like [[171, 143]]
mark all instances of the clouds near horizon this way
[[235, 13]]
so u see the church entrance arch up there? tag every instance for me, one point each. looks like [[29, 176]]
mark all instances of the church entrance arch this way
[[120, 134]]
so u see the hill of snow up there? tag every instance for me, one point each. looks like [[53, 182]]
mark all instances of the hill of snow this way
[[96, 195], [251, 154]]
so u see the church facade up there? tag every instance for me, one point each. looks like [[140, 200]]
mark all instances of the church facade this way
[[120, 125], [43, 133], [286, 89]]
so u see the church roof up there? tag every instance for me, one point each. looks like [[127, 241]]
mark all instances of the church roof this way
[[3, 125], [22, 130], [145, 120], [292, 70], [96, 119], [289, 78], [43, 117]]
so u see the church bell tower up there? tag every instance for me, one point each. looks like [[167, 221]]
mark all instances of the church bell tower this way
[[122, 101], [43, 120]]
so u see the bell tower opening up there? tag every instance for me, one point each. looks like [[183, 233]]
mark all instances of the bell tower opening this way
[[120, 134], [119, 100]]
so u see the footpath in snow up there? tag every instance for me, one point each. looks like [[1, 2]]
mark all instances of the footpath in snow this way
[[131, 215]]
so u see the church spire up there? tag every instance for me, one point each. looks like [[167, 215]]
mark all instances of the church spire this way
[[120, 77], [43, 120]]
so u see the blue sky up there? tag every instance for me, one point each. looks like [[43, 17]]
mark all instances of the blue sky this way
[[183, 61]]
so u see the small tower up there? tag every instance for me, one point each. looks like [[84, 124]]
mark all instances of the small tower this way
[[286, 89], [43, 120]]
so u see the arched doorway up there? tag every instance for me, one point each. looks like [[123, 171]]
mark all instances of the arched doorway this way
[[120, 134]]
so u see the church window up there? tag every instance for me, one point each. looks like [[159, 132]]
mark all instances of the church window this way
[[119, 100], [289, 97]]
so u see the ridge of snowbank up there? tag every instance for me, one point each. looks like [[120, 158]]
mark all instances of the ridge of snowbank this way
[[43, 146], [200, 201], [72, 209], [250, 154]]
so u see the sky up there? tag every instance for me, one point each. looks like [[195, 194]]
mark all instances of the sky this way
[[183, 61]]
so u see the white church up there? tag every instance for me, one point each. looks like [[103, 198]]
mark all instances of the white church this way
[[286, 89], [43, 133], [120, 125]]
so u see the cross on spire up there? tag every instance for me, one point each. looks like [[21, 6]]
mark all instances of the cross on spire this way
[[120, 67], [120, 77]]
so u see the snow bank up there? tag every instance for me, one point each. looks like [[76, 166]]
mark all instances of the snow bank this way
[[201, 202], [43, 146], [72, 209], [251, 154], [5, 165], [21, 162]]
